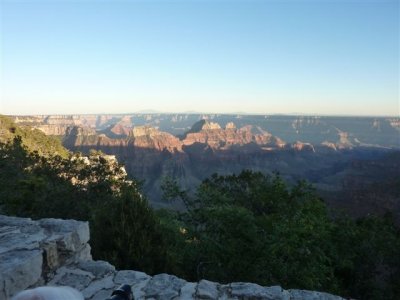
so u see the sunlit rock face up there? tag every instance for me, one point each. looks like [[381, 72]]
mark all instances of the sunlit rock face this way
[[56, 124], [213, 135], [56, 252], [230, 125], [299, 146], [151, 138], [120, 130]]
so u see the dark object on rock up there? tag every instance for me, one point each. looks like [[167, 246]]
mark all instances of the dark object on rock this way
[[124, 292]]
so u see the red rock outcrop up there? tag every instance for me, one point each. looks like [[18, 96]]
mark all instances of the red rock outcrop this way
[[213, 135], [149, 137], [120, 129]]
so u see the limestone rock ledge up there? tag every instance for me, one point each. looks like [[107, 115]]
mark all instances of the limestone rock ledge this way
[[56, 252]]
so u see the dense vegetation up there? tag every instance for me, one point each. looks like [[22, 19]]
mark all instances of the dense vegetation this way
[[252, 227], [33, 139], [123, 226], [246, 227]]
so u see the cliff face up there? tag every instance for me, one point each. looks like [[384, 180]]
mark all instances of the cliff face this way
[[56, 252], [59, 124], [151, 138], [213, 135], [33, 139], [51, 125], [120, 129]]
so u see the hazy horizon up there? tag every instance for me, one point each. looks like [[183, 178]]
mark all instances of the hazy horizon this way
[[155, 112], [259, 57]]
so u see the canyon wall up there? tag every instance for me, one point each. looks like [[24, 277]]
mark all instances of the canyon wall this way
[[344, 131]]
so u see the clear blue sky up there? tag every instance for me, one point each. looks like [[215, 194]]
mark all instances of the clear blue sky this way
[[311, 57]]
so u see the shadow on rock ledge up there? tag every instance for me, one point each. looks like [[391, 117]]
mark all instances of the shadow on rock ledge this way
[[56, 252]]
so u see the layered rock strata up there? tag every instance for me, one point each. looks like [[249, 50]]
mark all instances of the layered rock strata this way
[[210, 133], [56, 252]]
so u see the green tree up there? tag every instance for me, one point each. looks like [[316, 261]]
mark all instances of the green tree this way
[[125, 230], [252, 227], [368, 257]]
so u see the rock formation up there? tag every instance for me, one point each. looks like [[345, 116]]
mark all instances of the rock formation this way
[[51, 125], [213, 135], [56, 252], [89, 139], [372, 131], [120, 129], [151, 138], [299, 146]]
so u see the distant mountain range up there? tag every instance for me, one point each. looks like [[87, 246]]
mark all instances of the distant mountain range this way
[[190, 147]]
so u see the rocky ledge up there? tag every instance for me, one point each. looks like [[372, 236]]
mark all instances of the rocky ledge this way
[[56, 252]]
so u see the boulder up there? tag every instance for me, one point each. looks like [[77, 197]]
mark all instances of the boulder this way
[[164, 287], [207, 290], [253, 291], [311, 295], [18, 270]]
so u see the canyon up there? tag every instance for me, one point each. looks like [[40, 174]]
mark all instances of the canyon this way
[[344, 131], [333, 153]]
